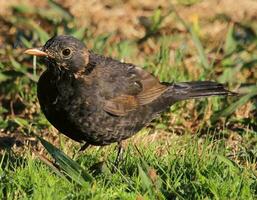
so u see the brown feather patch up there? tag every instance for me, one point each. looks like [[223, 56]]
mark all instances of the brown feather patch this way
[[152, 88], [121, 105], [86, 56]]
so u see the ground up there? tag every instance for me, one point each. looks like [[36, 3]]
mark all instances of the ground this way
[[198, 149]]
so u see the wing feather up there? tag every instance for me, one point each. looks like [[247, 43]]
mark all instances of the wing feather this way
[[125, 103]]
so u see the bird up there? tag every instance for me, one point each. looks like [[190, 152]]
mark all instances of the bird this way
[[97, 100]]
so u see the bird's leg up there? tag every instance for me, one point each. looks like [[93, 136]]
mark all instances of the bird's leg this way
[[84, 147], [120, 154]]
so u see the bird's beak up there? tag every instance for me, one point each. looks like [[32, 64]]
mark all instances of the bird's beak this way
[[36, 52]]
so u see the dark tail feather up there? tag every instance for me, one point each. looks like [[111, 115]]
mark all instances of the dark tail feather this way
[[188, 90], [198, 89]]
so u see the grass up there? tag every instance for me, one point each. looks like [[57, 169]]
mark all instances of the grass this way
[[198, 149], [191, 169]]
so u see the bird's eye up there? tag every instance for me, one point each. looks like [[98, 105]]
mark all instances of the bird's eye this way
[[66, 52]]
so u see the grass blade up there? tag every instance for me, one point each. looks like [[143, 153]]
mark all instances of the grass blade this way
[[145, 180], [69, 166], [64, 13], [196, 40], [230, 43], [229, 110]]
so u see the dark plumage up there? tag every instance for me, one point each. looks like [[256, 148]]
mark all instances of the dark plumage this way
[[98, 100]]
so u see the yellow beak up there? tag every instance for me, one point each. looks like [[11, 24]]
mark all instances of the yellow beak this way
[[35, 52]]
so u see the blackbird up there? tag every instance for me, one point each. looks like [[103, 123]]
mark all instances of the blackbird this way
[[99, 100]]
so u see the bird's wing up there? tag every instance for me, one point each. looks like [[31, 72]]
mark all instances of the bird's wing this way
[[141, 88], [151, 87]]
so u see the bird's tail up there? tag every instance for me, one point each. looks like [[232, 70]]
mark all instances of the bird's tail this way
[[198, 89], [188, 90]]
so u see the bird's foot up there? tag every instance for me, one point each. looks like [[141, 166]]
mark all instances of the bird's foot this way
[[84, 147], [119, 157]]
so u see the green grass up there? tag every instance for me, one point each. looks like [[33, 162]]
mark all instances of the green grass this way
[[188, 168], [198, 149]]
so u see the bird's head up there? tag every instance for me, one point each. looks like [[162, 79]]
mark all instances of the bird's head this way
[[63, 52]]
